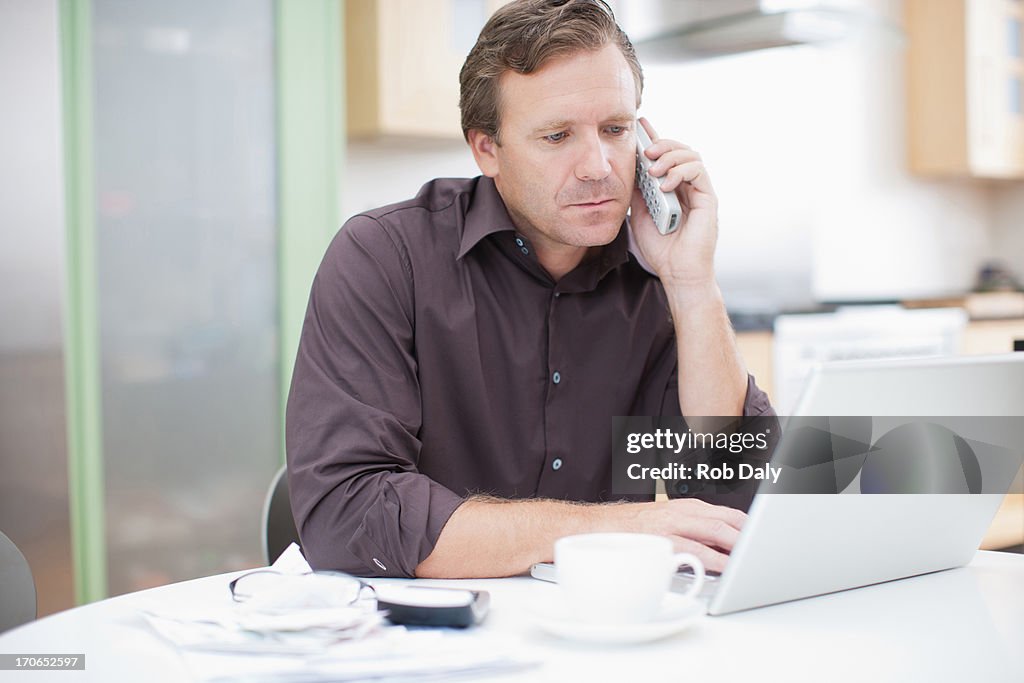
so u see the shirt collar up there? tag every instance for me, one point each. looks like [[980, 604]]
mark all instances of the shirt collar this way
[[487, 215]]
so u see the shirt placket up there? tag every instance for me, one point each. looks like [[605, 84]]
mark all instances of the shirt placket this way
[[557, 461]]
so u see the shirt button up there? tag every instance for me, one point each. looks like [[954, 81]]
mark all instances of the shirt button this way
[[519, 242], [682, 488], [525, 250], [556, 378], [379, 564], [556, 464], [558, 294]]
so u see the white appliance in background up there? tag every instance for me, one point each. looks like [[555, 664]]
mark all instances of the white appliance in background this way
[[858, 332]]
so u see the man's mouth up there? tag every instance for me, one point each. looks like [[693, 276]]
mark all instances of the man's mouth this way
[[590, 204]]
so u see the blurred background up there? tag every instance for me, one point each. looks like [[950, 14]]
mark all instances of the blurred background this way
[[172, 172]]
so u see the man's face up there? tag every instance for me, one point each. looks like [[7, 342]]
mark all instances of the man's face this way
[[566, 160]]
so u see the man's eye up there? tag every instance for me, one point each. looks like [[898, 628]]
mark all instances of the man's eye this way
[[617, 130], [556, 137]]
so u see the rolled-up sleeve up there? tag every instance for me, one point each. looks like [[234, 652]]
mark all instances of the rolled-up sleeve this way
[[755, 403], [354, 413]]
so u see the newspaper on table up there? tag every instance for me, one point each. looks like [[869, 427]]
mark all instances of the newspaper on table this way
[[298, 629]]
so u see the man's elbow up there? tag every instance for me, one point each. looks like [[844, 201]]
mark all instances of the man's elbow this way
[[324, 555]]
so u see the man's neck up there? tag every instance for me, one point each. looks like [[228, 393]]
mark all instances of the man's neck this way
[[561, 261], [556, 258]]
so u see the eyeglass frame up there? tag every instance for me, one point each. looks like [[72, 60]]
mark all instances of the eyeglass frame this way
[[326, 572]]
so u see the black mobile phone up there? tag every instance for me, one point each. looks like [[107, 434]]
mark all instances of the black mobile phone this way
[[433, 606]]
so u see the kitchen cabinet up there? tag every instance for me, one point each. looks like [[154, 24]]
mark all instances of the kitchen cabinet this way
[[402, 63], [1007, 527], [965, 87], [992, 336]]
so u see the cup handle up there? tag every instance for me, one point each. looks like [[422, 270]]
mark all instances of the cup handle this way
[[698, 571]]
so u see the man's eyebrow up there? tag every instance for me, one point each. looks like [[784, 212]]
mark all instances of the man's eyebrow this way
[[554, 124], [557, 124], [621, 118]]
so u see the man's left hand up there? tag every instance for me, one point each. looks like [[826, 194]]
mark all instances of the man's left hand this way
[[685, 257]]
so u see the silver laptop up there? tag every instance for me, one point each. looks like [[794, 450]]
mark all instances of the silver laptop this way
[[797, 546]]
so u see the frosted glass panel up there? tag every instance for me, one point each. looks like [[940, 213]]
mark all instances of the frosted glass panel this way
[[33, 456], [185, 156]]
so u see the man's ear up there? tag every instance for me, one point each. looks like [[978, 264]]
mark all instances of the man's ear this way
[[484, 151]]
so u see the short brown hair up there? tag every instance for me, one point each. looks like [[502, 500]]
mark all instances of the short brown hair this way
[[522, 36]]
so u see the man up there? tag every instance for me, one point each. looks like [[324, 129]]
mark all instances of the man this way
[[464, 352]]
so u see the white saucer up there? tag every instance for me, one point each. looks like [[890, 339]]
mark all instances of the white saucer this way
[[676, 613]]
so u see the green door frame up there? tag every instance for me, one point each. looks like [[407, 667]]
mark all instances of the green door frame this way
[[83, 390], [310, 144]]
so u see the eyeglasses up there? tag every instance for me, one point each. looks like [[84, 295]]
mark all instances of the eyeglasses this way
[[270, 588]]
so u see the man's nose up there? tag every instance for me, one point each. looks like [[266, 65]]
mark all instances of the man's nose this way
[[593, 161]]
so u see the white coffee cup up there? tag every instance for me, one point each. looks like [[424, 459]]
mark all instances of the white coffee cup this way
[[619, 577]]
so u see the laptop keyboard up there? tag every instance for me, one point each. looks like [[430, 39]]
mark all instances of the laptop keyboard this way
[[682, 581]]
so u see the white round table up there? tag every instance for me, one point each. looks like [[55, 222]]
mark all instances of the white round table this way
[[957, 625]]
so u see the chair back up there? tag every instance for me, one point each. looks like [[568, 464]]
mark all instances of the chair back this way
[[278, 524], [17, 589]]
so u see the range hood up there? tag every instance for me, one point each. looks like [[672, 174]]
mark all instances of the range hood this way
[[687, 29]]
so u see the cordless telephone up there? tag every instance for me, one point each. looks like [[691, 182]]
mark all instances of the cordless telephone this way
[[663, 206]]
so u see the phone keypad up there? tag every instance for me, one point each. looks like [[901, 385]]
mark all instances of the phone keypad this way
[[663, 207], [649, 190]]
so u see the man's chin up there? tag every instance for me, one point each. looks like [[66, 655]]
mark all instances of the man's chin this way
[[599, 230], [600, 234]]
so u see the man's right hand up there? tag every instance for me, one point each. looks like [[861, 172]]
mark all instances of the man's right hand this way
[[705, 530]]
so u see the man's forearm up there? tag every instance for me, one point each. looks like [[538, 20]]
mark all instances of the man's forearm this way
[[712, 376], [488, 537]]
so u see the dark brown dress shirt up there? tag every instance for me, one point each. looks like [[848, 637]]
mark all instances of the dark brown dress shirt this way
[[438, 359]]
